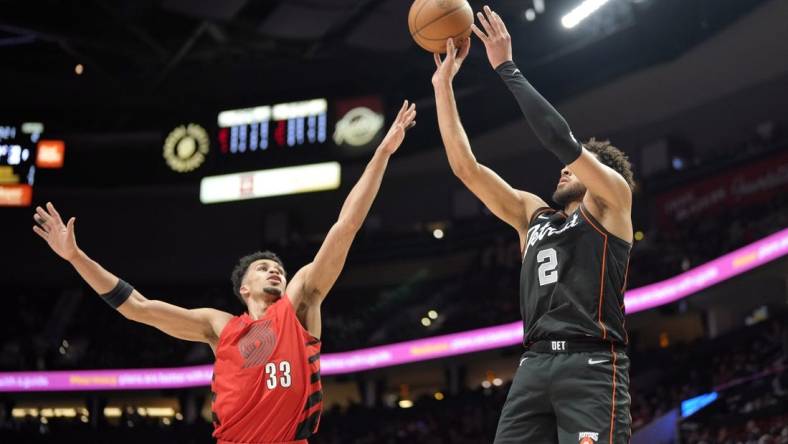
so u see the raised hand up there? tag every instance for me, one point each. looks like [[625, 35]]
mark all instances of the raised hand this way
[[59, 236], [450, 65], [406, 118], [496, 39]]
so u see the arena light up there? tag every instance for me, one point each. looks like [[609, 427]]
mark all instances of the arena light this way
[[272, 182], [112, 412], [160, 411], [405, 404], [692, 405], [581, 12], [18, 412], [732, 264], [17, 195], [50, 154], [244, 116], [285, 111]]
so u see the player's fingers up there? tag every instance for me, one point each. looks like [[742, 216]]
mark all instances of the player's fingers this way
[[43, 214], [453, 48], [482, 36], [53, 212], [70, 225], [465, 47], [40, 232], [499, 23], [437, 58], [412, 124], [493, 18], [485, 24], [410, 117], [449, 51], [488, 13], [402, 110], [41, 222], [407, 109]]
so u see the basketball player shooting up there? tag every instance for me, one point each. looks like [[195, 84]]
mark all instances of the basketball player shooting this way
[[266, 382], [572, 385]]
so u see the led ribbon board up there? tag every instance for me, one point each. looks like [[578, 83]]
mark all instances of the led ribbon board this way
[[644, 298], [273, 182]]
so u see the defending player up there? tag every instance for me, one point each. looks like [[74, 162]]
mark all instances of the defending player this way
[[266, 384], [572, 382]]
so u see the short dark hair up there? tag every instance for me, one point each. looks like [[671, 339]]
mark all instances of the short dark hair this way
[[239, 271], [612, 157]]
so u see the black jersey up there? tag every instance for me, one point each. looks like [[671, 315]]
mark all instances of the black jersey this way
[[572, 279]]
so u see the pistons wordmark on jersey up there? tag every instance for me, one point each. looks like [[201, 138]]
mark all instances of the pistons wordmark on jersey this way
[[573, 278]]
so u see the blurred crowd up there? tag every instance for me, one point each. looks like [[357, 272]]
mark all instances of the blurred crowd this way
[[57, 328], [746, 367]]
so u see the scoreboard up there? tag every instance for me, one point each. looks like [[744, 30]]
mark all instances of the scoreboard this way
[[17, 162], [284, 125], [290, 148], [22, 153]]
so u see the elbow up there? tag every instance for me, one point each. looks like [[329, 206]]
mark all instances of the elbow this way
[[133, 309], [465, 172], [463, 167], [348, 226]]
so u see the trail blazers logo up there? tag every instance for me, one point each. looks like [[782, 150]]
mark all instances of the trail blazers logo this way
[[257, 344], [186, 147], [587, 437]]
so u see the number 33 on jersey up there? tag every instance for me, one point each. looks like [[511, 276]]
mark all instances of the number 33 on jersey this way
[[284, 375]]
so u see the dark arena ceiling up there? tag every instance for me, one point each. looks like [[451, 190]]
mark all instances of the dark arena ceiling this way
[[151, 60]]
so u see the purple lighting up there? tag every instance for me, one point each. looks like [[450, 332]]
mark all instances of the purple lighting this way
[[708, 274], [639, 299]]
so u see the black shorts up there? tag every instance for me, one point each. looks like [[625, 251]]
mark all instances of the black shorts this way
[[568, 397]]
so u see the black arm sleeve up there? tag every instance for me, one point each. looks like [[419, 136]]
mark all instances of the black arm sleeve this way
[[551, 129]]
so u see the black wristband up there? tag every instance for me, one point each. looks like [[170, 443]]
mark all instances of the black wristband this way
[[118, 295]]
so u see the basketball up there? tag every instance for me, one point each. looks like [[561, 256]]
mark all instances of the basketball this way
[[431, 22]]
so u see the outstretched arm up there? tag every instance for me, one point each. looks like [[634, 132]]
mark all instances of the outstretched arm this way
[[311, 284], [549, 126], [513, 206], [202, 324]]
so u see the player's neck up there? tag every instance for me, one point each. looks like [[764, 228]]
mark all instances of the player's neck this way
[[257, 306], [572, 206]]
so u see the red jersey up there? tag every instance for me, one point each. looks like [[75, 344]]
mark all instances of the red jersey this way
[[266, 379]]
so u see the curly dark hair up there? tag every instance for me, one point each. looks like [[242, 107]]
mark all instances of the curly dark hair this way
[[612, 157], [239, 271]]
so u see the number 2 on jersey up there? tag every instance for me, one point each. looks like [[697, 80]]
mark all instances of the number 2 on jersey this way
[[273, 381], [548, 262]]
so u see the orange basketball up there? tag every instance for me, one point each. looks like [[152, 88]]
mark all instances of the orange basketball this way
[[431, 22]]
